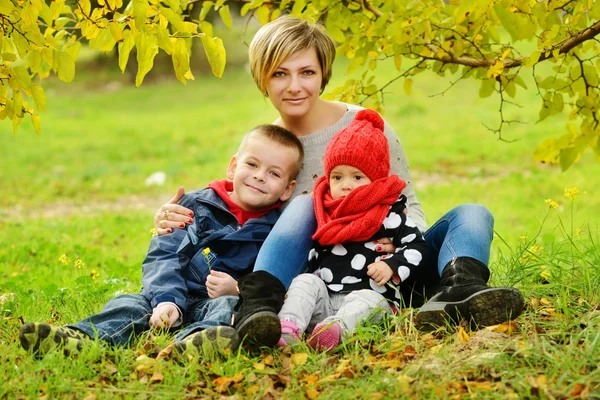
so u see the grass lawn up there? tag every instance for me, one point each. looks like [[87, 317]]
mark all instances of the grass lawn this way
[[79, 189]]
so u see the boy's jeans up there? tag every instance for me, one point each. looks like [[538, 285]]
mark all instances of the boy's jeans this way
[[127, 316], [465, 231], [309, 303]]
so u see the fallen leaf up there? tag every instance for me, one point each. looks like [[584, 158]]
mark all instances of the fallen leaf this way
[[157, 377], [463, 336], [405, 381], [298, 359], [144, 379], [545, 301], [268, 360], [312, 393], [90, 396], [110, 368], [259, 366], [480, 385], [7, 297], [223, 382], [311, 379], [145, 364], [164, 353], [506, 327], [577, 390]]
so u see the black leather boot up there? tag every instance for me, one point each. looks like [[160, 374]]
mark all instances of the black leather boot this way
[[464, 293], [261, 298]]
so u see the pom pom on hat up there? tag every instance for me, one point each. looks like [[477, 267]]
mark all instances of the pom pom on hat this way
[[362, 144]]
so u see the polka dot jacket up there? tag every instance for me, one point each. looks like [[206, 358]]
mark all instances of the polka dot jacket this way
[[343, 267]]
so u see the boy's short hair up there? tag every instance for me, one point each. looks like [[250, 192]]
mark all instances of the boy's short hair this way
[[281, 38], [279, 135]]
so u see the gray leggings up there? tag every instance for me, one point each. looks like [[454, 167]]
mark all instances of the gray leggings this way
[[309, 303]]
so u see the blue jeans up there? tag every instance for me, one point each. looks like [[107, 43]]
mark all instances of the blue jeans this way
[[465, 231], [284, 254], [125, 317]]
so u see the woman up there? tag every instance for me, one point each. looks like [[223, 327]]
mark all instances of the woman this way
[[291, 61]]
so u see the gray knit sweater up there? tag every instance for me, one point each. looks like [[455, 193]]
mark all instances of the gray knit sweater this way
[[314, 150]]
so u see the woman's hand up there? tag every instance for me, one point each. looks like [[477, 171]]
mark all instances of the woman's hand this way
[[220, 284], [171, 215], [385, 245]]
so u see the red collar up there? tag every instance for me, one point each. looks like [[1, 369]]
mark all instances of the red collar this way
[[223, 188]]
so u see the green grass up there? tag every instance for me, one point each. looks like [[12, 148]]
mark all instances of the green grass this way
[[78, 189]]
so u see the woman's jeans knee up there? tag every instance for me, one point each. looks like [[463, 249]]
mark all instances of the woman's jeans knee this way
[[284, 254], [465, 231]]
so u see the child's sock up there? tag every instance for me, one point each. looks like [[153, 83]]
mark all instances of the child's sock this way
[[290, 334], [326, 336], [208, 342], [40, 338]]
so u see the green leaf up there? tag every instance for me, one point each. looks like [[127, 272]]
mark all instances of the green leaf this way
[[206, 6], [487, 88], [225, 16], [39, 97], [140, 8], [23, 79], [567, 157], [408, 83], [546, 151], [298, 7], [65, 67], [263, 14], [18, 104], [215, 52]]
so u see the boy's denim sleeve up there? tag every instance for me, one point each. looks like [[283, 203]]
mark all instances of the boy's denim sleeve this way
[[162, 270]]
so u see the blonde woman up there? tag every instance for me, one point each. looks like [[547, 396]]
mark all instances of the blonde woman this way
[[291, 62]]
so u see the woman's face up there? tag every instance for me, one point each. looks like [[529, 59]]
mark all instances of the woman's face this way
[[295, 85]]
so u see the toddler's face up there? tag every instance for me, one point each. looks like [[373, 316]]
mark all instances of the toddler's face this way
[[343, 179]]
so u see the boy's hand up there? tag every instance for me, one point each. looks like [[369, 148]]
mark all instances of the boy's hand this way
[[380, 272], [220, 284], [164, 316]]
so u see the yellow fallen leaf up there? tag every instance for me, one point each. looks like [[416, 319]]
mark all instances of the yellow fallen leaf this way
[[157, 377], [299, 359], [506, 327], [164, 353], [223, 382], [311, 379], [545, 301], [145, 364], [312, 393], [480, 385], [259, 366], [268, 359], [463, 335]]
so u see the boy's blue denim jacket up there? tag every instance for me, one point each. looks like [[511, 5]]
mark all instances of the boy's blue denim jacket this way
[[175, 267]]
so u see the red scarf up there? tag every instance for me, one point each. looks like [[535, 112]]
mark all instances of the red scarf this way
[[223, 188], [357, 216]]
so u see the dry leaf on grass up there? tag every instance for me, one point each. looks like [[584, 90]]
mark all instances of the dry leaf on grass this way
[[157, 377], [298, 359], [463, 336], [506, 327], [145, 364], [222, 383], [164, 353]]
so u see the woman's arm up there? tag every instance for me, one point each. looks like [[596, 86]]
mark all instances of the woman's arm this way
[[171, 215]]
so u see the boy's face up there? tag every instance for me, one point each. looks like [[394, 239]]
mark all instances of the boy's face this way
[[344, 178], [261, 173]]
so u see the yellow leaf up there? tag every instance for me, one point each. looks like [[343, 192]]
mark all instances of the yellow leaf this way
[[408, 86], [181, 59], [299, 359], [139, 12], [124, 49], [116, 32], [372, 54], [259, 366], [495, 69], [268, 360], [506, 327], [463, 336], [145, 364], [215, 52], [398, 62], [312, 393], [206, 28], [312, 379], [35, 121], [157, 377], [18, 104], [263, 14], [147, 49], [225, 16], [545, 301], [6, 7]]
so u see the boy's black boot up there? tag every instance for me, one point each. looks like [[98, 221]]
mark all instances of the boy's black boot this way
[[464, 293], [261, 298]]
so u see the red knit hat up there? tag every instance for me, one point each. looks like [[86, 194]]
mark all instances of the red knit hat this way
[[362, 144]]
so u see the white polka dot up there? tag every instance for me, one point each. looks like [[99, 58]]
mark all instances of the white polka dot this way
[[336, 288], [325, 274], [397, 294], [339, 250], [410, 223], [377, 259], [385, 256], [392, 221], [403, 272], [378, 289], [358, 262], [408, 238], [413, 256], [371, 245], [313, 255], [351, 279]]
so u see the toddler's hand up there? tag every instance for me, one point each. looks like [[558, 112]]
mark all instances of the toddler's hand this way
[[220, 284], [380, 272], [164, 316]]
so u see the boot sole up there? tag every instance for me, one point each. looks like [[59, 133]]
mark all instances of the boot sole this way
[[208, 343], [262, 328], [488, 307]]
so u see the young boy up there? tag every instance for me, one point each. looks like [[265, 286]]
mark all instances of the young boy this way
[[189, 277], [356, 203]]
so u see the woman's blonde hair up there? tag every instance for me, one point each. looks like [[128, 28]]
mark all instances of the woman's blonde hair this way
[[281, 38]]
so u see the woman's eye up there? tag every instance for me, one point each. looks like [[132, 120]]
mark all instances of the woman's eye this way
[[278, 74], [309, 72]]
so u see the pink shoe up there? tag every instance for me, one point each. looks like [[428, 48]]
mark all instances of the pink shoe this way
[[325, 336], [290, 334]]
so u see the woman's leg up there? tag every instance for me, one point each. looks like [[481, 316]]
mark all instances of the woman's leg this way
[[462, 239], [281, 258], [465, 231], [284, 254]]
